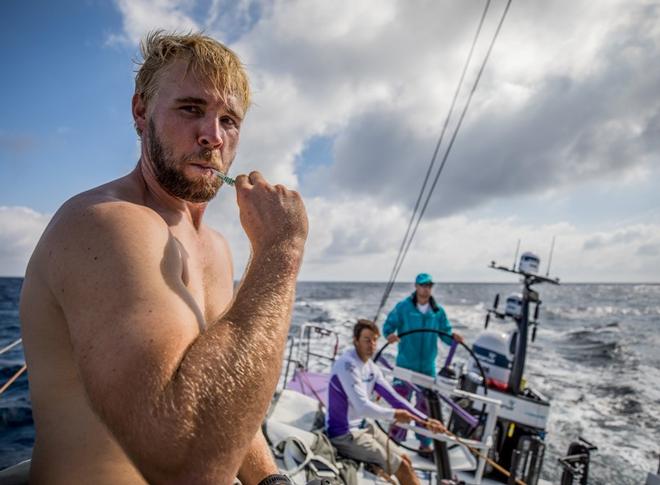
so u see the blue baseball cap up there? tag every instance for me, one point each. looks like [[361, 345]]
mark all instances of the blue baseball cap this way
[[423, 279]]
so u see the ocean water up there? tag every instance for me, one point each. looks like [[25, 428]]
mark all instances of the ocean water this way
[[595, 356]]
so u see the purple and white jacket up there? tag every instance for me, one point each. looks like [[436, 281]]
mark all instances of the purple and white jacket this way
[[351, 385]]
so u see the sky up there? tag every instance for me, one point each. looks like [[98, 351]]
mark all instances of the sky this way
[[562, 138]]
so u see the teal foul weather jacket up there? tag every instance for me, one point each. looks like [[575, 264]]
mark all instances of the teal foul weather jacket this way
[[418, 351]]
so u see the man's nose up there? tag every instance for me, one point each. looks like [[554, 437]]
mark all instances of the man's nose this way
[[210, 134]]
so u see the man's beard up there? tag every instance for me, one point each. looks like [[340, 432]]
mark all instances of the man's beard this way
[[169, 172]]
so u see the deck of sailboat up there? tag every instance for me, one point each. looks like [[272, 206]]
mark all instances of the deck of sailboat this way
[[297, 415]]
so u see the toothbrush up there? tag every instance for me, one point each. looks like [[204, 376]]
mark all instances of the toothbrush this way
[[225, 178]]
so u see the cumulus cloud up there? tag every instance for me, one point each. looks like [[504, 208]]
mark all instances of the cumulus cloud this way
[[651, 250], [356, 240], [568, 99], [458, 248], [20, 229], [561, 104], [142, 16], [625, 236], [525, 133], [226, 19]]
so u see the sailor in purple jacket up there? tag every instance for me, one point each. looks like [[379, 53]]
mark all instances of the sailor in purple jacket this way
[[350, 410]]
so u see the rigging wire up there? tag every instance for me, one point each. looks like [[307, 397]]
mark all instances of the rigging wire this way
[[393, 274], [407, 241]]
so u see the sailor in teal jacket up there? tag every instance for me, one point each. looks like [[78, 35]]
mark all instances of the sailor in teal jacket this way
[[419, 351]]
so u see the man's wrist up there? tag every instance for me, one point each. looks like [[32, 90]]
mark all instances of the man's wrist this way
[[292, 248], [284, 257]]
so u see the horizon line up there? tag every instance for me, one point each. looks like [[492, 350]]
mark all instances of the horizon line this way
[[464, 282]]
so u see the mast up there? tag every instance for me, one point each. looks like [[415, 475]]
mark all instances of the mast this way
[[515, 378], [528, 269]]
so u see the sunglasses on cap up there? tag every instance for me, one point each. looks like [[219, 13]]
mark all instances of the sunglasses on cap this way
[[426, 285]]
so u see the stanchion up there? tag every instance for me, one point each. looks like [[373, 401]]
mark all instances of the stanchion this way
[[440, 451]]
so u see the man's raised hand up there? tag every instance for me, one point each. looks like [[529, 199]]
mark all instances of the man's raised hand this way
[[271, 215]]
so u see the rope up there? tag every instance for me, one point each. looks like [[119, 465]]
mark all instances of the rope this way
[[11, 346], [408, 238], [13, 378], [494, 464]]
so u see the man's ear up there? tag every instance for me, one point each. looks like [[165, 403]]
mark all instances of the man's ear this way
[[139, 109]]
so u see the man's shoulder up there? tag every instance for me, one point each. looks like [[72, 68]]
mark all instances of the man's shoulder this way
[[406, 302], [347, 356], [104, 211], [346, 363], [125, 195], [93, 221], [93, 228], [439, 310]]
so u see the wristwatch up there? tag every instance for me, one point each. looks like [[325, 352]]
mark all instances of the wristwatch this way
[[276, 479]]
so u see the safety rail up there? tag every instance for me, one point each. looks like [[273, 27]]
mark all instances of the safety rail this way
[[20, 371], [303, 343], [305, 337], [291, 342], [11, 346], [442, 387]]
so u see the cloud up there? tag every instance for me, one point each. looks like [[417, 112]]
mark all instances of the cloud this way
[[356, 241], [548, 132], [20, 229], [140, 17], [626, 236], [225, 19], [560, 104], [651, 250], [568, 100], [230, 19]]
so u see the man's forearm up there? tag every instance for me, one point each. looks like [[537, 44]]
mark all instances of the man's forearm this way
[[258, 323], [228, 376]]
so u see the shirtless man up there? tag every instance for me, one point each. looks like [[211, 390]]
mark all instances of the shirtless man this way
[[143, 363]]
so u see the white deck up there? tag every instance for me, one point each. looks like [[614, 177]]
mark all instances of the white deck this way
[[294, 414]]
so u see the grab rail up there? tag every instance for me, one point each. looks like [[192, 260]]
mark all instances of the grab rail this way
[[11, 346], [20, 371]]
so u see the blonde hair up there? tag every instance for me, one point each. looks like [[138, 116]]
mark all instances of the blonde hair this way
[[206, 57]]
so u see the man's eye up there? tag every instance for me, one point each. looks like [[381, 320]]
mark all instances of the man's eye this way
[[229, 121], [191, 109]]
